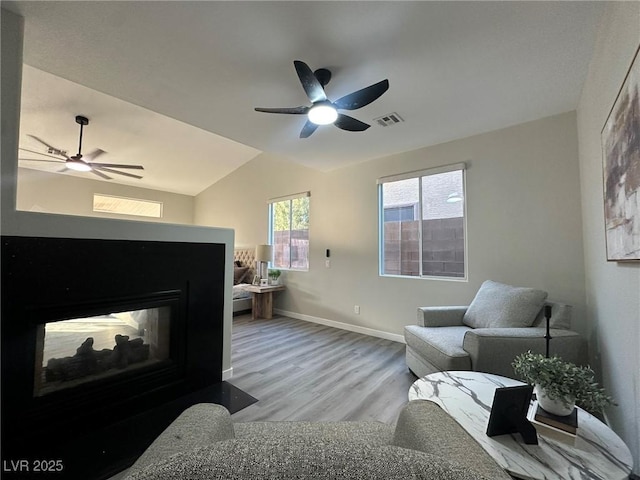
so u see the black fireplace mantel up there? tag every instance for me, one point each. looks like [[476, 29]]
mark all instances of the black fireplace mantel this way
[[52, 279]]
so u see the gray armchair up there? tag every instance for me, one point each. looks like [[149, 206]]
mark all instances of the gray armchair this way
[[501, 322]]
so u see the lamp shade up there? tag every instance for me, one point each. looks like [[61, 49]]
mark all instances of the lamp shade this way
[[264, 253]]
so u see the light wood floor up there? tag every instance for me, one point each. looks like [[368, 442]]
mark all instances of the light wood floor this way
[[304, 371]]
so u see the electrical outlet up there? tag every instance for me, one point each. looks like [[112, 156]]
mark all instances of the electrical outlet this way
[[356, 309]]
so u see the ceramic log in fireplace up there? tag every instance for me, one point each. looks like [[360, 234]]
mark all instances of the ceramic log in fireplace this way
[[160, 304]]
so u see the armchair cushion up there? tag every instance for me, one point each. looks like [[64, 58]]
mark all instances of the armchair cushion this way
[[367, 432], [442, 346], [499, 305]]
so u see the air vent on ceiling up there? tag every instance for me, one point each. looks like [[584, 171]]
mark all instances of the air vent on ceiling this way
[[389, 119]]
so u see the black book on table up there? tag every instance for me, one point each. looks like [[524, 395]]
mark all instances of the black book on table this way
[[568, 423]]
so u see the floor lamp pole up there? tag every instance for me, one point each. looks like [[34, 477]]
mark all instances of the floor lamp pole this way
[[547, 336]]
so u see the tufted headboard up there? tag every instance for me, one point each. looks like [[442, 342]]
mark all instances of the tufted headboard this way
[[247, 257]]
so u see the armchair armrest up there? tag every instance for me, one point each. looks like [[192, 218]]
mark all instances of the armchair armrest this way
[[424, 426], [441, 316], [199, 425], [493, 349]]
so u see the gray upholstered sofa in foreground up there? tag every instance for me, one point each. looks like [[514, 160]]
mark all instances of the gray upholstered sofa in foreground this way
[[204, 443], [501, 322]]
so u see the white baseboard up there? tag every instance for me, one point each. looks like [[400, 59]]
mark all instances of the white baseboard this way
[[344, 326], [227, 374]]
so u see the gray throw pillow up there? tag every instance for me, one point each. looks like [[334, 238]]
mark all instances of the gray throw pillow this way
[[498, 305]]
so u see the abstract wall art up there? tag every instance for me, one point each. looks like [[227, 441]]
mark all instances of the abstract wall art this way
[[621, 170]]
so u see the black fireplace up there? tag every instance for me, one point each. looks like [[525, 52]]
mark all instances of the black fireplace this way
[[129, 335], [97, 333]]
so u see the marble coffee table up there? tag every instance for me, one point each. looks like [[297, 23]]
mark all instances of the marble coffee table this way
[[598, 452]]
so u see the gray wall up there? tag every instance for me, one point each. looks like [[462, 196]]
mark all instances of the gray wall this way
[[54, 193], [239, 200], [613, 289], [524, 224], [15, 222]]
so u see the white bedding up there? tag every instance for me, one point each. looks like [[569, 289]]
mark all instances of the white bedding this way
[[239, 291]]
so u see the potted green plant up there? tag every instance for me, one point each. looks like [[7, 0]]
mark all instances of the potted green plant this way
[[561, 385], [274, 275]]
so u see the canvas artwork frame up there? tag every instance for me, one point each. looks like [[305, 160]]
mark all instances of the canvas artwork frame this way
[[621, 169]]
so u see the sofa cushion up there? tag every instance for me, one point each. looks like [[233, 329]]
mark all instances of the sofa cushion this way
[[306, 458], [441, 345], [498, 305], [370, 433]]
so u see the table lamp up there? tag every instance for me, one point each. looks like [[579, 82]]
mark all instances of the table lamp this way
[[264, 253]]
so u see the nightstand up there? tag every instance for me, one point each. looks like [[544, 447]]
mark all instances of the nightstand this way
[[262, 301]]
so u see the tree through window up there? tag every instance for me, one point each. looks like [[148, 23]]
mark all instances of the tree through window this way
[[289, 231]]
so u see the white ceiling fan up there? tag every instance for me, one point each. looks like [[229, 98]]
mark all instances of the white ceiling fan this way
[[79, 162]]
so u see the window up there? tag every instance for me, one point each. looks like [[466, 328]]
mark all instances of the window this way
[[400, 213], [422, 223], [289, 231], [126, 206]]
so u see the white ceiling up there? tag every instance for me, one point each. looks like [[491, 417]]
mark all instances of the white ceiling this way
[[127, 133], [199, 68]]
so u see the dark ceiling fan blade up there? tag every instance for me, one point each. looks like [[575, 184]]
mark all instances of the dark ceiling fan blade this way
[[308, 129], [100, 174], [293, 110], [362, 97], [93, 155], [41, 160], [346, 122], [312, 87], [116, 165], [104, 169], [44, 154]]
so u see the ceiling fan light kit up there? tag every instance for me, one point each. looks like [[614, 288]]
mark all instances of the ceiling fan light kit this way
[[323, 114], [323, 111], [77, 165], [76, 161]]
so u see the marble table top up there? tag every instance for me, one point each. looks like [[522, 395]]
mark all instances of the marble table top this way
[[598, 452]]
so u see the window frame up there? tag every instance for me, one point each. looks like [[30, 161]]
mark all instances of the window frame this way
[[419, 207], [413, 206], [270, 234], [131, 200]]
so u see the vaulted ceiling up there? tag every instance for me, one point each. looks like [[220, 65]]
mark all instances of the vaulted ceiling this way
[[173, 85]]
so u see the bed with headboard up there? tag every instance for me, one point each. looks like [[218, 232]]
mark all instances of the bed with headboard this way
[[244, 268]]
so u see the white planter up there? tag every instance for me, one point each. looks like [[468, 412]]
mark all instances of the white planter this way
[[556, 407]]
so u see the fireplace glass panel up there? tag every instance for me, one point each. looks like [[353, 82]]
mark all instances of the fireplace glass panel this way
[[78, 350]]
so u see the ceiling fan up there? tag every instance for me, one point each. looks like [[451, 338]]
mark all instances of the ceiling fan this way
[[79, 162], [323, 111]]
